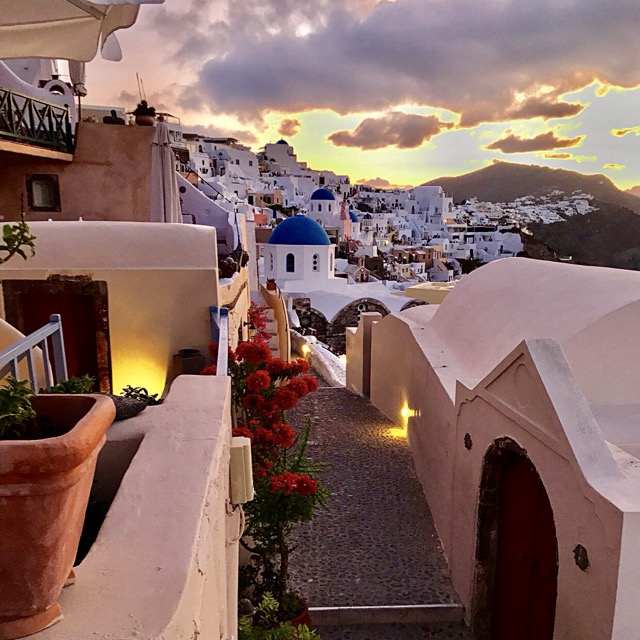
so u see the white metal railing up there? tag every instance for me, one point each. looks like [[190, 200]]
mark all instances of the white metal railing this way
[[11, 357], [220, 334]]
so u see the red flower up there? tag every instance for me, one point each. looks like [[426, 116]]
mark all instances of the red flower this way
[[258, 381], [276, 366], [254, 352], [289, 483], [285, 399], [209, 371], [242, 431], [298, 386], [299, 366], [253, 402], [213, 349], [311, 382]]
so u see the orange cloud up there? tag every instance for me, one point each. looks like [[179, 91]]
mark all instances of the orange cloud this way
[[544, 108], [624, 132], [289, 127], [613, 165], [543, 142]]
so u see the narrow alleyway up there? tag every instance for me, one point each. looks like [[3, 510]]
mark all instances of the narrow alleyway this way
[[377, 546]]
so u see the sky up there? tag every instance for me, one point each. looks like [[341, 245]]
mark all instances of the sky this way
[[396, 93]]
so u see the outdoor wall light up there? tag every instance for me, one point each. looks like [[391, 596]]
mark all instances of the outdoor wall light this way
[[306, 350]]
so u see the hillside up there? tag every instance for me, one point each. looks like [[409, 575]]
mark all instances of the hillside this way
[[505, 181], [609, 237]]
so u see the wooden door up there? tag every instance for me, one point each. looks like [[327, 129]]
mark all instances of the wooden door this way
[[526, 568], [82, 304]]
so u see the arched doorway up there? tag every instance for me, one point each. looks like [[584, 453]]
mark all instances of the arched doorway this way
[[517, 552]]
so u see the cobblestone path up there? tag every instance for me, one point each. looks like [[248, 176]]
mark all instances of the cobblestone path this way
[[377, 545]]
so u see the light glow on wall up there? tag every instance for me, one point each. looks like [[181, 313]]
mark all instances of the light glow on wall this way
[[139, 372], [306, 350], [405, 414]]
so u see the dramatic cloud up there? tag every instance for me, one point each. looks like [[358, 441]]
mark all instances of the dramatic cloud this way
[[402, 130], [624, 132], [545, 141], [289, 127], [504, 59], [569, 156], [213, 131], [614, 165], [546, 109]]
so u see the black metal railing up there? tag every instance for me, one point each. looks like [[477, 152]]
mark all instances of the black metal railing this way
[[25, 119]]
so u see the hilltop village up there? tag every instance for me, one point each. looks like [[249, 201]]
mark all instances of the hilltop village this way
[[262, 401]]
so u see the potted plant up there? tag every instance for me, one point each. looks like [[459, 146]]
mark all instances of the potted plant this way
[[48, 450], [261, 623], [287, 489], [144, 114]]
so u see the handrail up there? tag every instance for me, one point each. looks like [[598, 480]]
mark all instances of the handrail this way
[[11, 356], [33, 121], [219, 319]]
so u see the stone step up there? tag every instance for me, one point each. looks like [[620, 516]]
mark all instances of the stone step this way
[[391, 614], [427, 631]]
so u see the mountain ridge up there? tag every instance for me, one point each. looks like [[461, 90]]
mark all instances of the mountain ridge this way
[[506, 181]]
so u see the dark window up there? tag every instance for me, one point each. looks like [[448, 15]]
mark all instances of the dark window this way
[[43, 192], [251, 163], [291, 263]]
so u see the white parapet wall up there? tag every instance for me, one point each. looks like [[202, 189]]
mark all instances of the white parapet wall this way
[[165, 563]]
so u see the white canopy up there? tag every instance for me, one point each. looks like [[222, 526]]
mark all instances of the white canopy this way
[[65, 29]]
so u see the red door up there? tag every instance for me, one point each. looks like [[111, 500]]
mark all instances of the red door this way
[[78, 326], [525, 586]]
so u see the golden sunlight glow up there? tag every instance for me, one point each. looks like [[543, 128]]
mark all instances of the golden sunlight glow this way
[[147, 373], [306, 350], [343, 358], [397, 432]]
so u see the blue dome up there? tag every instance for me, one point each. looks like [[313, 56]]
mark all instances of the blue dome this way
[[299, 230], [322, 194], [353, 216], [282, 142], [367, 216]]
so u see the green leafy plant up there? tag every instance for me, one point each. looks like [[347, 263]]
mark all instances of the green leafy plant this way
[[264, 624], [75, 384], [16, 412], [140, 393], [143, 109], [15, 239]]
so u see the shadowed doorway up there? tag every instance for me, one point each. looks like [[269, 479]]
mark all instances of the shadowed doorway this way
[[517, 553]]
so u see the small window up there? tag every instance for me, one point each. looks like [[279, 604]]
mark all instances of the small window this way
[[329, 207], [43, 192], [291, 263], [316, 258], [237, 161], [319, 208], [251, 163], [271, 261]]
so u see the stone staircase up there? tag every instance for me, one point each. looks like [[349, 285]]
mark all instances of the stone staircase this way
[[272, 329], [372, 568]]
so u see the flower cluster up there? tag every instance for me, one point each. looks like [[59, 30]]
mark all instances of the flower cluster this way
[[287, 491], [289, 483]]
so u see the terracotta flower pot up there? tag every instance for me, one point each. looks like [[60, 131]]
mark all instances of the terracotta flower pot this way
[[271, 285], [303, 617], [145, 121], [44, 490]]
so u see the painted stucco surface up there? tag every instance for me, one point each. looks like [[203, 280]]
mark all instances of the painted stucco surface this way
[[112, 164], [165, 562], [161, 280], [543, 354]]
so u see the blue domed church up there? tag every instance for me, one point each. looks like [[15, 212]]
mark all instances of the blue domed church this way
[[299, 249]]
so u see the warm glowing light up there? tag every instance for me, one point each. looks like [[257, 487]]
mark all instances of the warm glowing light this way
[[306, 350], [343, 358], [139, 372], [397, 432], [407, 413]]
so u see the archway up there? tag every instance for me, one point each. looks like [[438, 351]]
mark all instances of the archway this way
[[517, 550]]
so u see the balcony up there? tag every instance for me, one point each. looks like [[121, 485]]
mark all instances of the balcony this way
[[34, 127]]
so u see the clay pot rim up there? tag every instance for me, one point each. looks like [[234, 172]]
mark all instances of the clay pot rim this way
[[65, 452]]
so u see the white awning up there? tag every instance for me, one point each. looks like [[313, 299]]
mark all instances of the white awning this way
[[64, 29]]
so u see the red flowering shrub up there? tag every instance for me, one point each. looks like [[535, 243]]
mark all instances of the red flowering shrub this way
[[287, 491], [209, 371], [258, 381]]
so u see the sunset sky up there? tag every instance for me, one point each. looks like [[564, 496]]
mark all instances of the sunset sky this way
[[403, 91]]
